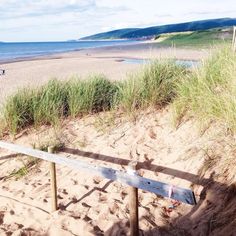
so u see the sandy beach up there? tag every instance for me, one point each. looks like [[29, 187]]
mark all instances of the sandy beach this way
[[106, 60], [117, 118], [89, 205]]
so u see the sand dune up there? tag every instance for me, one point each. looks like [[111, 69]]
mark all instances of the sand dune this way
[[91, 205]]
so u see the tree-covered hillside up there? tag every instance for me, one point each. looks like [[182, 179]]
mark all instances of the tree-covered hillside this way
[[134, 33]]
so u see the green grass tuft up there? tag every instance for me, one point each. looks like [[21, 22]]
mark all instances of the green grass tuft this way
[[50, 103], [209, 93], [92, 95], [18, 111], [57, 100], [25, 169], [153, 86], [30, 106]]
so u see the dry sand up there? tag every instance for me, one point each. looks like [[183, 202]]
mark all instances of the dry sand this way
[[90, 205], [86, 62]]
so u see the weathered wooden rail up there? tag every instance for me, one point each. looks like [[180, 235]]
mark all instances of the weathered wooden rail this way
[[129, 178]]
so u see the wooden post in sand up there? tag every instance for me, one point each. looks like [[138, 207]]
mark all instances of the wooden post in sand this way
[[133, 203], [234, 39], [53, 182]]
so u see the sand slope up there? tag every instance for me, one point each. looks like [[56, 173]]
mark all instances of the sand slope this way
[[90, 205]]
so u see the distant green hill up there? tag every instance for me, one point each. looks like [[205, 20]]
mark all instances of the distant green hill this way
[[201, 38], [115, 34], [150, 32]]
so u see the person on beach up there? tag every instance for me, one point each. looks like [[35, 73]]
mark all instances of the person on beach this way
[[2, 72]]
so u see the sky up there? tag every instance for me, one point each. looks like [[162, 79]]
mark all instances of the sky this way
[[59, 20]]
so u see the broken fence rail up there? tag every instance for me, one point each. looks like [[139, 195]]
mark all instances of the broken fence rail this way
[[166, 190]]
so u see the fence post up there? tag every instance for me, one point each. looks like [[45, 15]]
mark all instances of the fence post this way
[[53, 182], [133, 203], [234, 39]]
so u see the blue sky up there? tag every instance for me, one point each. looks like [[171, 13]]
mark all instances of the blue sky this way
[[55, 20]]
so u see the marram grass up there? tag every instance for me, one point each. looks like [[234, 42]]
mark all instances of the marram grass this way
[[92, 95], [57, 100], [209, 93], [154, 85]]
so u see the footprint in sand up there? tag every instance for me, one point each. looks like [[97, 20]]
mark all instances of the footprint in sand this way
[[5, 188], [1, 217], [75, 182], [123, 194], [86, 205], [62, 191], [12, 212], [102, 198], [87, 219], [59, 196], [86, 186]]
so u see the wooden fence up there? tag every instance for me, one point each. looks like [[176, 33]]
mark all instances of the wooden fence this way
[[130, 178]]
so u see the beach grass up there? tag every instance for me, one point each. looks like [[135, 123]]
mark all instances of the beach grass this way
[[25, 169], [209, 93], [92, 95], [45, 105], [56, 100], [18, 110], [154, 85]]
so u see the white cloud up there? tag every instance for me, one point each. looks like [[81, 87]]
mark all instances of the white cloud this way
[[38, 20]]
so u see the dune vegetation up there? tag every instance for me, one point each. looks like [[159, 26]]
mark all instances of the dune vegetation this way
[[57, 100], [207, 93], [196, 39]]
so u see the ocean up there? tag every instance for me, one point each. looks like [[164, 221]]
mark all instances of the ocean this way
[[17, 51]]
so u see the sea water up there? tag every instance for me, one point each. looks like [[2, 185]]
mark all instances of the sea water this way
[[186, 63], [24, 50]]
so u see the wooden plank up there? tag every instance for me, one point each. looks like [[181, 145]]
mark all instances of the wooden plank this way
[[159, 188]]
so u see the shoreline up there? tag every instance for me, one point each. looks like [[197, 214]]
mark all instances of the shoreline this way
[[148, 45], [54, 55]]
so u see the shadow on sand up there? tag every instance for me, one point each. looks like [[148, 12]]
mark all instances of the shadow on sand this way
[[214, 214]]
